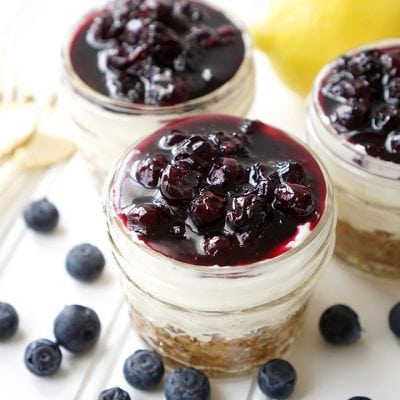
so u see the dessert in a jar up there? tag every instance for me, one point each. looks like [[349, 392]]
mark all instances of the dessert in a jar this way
[[354, 126], [134, 65], [220, 227]]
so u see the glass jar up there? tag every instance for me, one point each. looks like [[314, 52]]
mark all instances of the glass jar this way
[[223, 320], [367, 191], [108, 126]]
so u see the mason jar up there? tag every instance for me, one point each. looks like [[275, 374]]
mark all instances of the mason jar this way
[[367, 190], [224, 320], [107, 126]]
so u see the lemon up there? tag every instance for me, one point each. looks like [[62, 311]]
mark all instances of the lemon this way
[[300, 36]]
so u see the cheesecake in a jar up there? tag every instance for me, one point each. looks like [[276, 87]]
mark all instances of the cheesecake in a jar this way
[[220, 227], [134, 65], [354, 126]]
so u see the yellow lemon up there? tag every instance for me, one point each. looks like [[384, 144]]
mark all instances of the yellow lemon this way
[[300, 36]]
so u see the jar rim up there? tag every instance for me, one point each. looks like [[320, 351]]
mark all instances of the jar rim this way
[[328, 217], [361, 160], [107, 102]]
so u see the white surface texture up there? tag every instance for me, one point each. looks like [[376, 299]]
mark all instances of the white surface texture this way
[[33, 277]]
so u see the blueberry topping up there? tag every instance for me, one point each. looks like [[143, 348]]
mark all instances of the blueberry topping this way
[[339, 325], [247, 213], [154, 52], [226, 172], [295, 200], [218, 245], [179, 184], [392, 143], [277, 379], [148, 171], [208, 208], [143, 370], [232, 191], [8, 321], [187, 384], [77, 328], [41, 216], [85, 262], [360, 95], [394, 319], [195, 153], [148, 219], [43, 357], [115, 393]]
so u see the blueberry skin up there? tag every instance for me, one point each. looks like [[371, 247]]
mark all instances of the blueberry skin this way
[[394, 319], [277, 378], [43, 357], [143, 369], [115, 393], [187, 384], [41, 216], [85, 262], [359, 398], [8, 321], [339, 325], [77, 328]]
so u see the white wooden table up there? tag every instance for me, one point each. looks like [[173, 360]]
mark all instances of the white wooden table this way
[[33, 278]]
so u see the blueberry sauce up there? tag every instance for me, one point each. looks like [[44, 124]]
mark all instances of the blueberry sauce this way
[[361, 97], [219, 190], [156, 52]]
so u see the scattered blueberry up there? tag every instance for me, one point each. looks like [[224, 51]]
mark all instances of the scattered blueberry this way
[[8, 321], [187, 384], [359, 398], [339, 325], [394, 319], [143, 370], [277, 379], [114, 393], [85, 262], [41, 216], [43, 357], [77, 328]]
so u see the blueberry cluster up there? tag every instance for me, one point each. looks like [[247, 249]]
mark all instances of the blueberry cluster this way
[[76, 328], [361, 96], [209, 187], [148, 49]]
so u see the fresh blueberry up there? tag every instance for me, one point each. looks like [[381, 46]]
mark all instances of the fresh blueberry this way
[[85, 262], [359, 398], [43, 357], [277, 379], [394, 319], [143, 369], [114, 393], [187, 384], [41, 216], [8, 321], [77, 328], [339, 325]]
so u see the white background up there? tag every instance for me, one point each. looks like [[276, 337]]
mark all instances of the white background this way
[[34, 280]]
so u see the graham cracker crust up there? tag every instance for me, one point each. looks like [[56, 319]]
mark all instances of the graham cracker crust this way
[[220, 357], [375, 253]]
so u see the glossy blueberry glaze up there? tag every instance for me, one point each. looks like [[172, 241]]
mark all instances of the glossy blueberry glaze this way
[[266, 186], [361, 97], [156, 52]]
